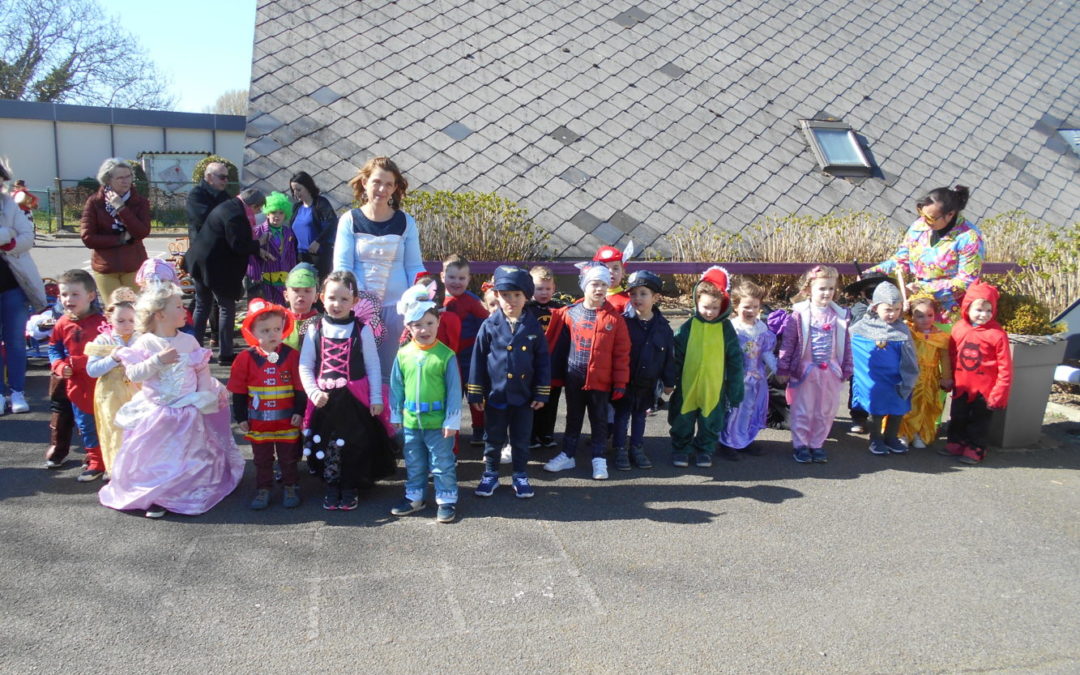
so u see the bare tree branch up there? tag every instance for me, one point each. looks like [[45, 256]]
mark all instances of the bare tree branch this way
[[70, 51], [232, 102]]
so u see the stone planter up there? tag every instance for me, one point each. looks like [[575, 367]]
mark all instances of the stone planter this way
[[1034, 360]]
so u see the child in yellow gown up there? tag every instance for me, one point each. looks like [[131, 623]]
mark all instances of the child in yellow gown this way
[[935, 373], [113, 388]]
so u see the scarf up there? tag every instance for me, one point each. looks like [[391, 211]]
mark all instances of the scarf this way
[[118, 225]]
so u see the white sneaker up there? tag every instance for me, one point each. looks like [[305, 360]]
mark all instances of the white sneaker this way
[[560, 463], [917, 443], [18, 403], [507, 455], [599, 468]]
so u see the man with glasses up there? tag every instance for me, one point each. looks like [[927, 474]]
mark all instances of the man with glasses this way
[[205, 196]]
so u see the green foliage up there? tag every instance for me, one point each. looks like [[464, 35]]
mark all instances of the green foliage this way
[[478, 226], [234, 173], [1025, 315]]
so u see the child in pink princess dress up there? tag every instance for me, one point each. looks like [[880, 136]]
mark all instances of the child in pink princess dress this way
[[178, 452]]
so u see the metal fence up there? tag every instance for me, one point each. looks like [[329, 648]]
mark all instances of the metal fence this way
[[61, 204]]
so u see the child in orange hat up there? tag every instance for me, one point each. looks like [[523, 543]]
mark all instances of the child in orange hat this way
[[268, 399]]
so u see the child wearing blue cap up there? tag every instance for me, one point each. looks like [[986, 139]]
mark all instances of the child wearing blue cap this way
[[509, 379], [425, 404], [652, 360]]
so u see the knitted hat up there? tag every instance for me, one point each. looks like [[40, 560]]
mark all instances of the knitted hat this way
[[885, 294], [304, 275], [593, 271]]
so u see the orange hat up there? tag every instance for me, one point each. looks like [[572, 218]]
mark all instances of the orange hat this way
[[257, 308]]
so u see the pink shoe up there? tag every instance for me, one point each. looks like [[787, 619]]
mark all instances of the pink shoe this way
[[972, 455]]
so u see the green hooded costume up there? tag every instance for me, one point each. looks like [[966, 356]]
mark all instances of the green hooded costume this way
[[708, 380]]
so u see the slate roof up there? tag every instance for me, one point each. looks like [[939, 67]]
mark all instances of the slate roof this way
[[608, 119]]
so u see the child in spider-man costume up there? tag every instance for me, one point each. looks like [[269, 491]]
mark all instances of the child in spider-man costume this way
[[982, 371]]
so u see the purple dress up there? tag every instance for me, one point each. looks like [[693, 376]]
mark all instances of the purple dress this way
[[268, 276], [748, 419], [178, 450]]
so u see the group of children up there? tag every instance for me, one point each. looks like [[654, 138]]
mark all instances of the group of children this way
[[310, 385]]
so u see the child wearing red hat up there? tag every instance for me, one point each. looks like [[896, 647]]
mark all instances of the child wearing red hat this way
[[615, 260], [268, 399]]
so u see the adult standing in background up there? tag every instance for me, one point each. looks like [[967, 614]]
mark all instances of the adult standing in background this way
[[942, 253], [20, 286], [218, 260], [380, 244], [115, 221], [314, 223], [206, 196]]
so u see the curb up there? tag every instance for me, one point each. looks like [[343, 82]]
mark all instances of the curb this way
[[1068, 412]]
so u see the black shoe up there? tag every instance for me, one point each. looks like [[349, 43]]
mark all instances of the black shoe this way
[[155, 511], [622, 459], [730, 454]]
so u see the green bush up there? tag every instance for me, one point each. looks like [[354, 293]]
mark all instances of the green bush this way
[[234, 173], [1049, 259], [478, 226]]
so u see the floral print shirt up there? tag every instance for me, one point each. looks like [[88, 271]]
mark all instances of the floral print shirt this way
[[944, 269]]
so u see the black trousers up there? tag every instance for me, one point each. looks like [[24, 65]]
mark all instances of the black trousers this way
[[204, 299], [969, 421]]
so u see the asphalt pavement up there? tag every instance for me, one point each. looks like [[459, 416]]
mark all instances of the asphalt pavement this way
[[907, 563]]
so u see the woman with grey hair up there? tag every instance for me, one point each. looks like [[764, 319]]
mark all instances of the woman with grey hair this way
[[115, 220]]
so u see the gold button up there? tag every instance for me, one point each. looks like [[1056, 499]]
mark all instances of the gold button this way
[[509, 348], [522, 347], [509, 376]]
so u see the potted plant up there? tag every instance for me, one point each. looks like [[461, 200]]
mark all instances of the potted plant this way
[[1037, 346]]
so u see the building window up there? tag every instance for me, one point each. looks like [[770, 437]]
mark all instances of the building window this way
[[836, 148]]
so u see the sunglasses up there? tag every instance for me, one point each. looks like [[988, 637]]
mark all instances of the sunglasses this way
[[928, 219]]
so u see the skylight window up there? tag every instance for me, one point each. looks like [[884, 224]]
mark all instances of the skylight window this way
[[1072, 137], [836, 148]]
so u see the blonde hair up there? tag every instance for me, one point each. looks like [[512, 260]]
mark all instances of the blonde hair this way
[[541, 273], [386, 164], [817, 272], [746, 289], [151, 301]]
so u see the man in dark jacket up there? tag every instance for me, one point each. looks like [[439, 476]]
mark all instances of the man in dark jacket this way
[[204, 197], [217, 261]]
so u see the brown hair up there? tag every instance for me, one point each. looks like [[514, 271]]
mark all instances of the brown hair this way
[[814, 273], [746, 289], [542, 273], [921, 299], [77, 276], [386, 164], [456, 260], [343, 277], [708, 288]]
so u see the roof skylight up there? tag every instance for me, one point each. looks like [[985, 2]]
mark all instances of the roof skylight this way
[[836, 147]]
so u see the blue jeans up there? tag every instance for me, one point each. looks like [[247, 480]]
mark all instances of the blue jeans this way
[[426, 451], [14, 312], [87, 429], [513, 422], [631, 409]]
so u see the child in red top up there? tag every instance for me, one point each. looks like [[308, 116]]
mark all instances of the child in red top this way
[[590, 351], [269, 400], [982, 373], [81, 323], [472, 312]]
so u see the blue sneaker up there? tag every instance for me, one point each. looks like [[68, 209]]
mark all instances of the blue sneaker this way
[[802, 455], [405, 507], [446, 513], [680, 459], [522, 489], [818, 455], [878, 448], [487, 485], [897, 446]]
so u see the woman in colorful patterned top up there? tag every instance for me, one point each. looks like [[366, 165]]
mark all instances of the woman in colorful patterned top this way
[[942, 253]]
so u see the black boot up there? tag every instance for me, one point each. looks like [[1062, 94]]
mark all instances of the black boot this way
[[622, 459], [640, 459]]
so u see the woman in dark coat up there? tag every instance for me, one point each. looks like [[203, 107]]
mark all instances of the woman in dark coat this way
[[218, 260], [314, 223], [115, 221]]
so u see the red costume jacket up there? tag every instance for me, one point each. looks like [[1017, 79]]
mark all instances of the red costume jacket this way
[[66, 348], [266, 395], [982, 361], [609, 358]]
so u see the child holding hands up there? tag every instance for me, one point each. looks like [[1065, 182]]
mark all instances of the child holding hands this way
[[178, 452], [268, 400], [113, 388], [425, 404]]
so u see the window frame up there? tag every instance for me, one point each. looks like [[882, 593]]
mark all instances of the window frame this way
[[864, 168]]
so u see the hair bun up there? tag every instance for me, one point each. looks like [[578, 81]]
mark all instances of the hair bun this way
[[962, 193]]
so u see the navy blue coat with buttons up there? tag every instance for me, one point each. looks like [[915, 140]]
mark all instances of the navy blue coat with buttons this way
[[652, 351], [509, 369]]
